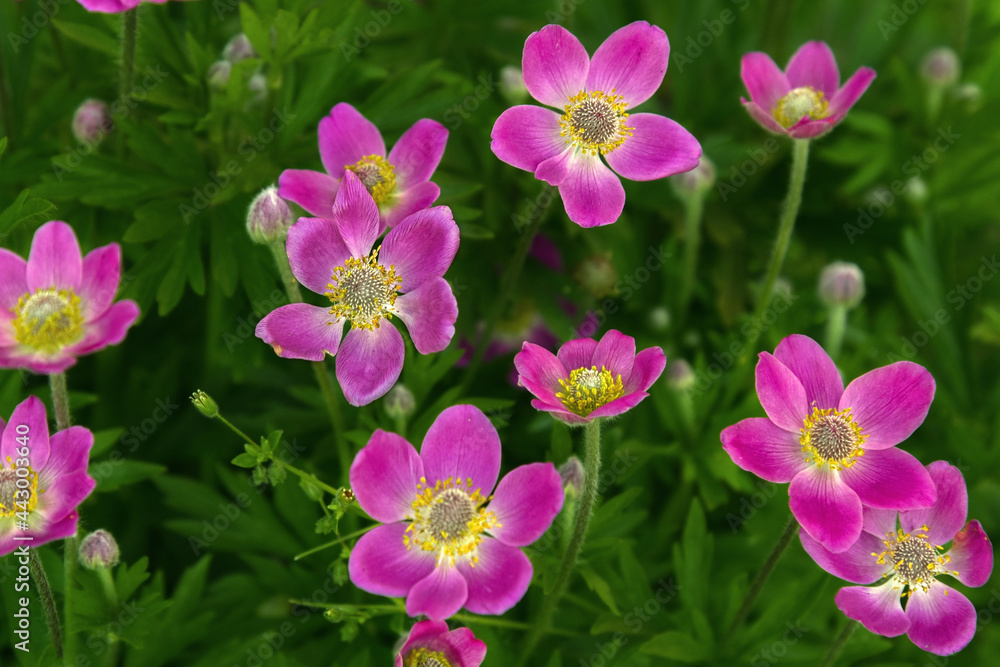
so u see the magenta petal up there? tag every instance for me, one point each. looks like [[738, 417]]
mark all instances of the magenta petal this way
[[369, 363], [345, 136], [421, 247], [55, 259], [108, 329], [539, 371], [69, 453], [525, 502], [525, 136], [429, 313], [592, 194], [948, 513], [556, 169], [764, 81], [856, 565], [13, 285], [577, 353], [810, 129], [942, 620], [618, 406], [312, 190], [472, 651], [972, 555], [438, 595], [760, 447], [781, 393], [877, 608], [499, 580], [850, 92], [646, 369], [890, 479], [36, 363], [384, 477], [765, 119], [65, 494], [814, 368], [462, 444], [356, 216], [65, 527], [381, 564], [615, 352], [417, 153], [31, 413], [554, 65], [102, 269], [880, 522], [658, 147], [828, 509], [631, 62], [315, 249], [890, 402], [301, 331], [411, 201], [559, 412], [814, 65], [422, 634]]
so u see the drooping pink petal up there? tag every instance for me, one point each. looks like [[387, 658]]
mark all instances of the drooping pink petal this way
[[942, 620], [781, 393], [55, 259], [14, 285], [438, 595], [405, 204], [465, 644], [808, 128], [301, 331], [356, 216], [62, 528], [765, 119], [619, 406], [876, 607], [421, 247], [69, 453], [890, 402], [369, 363], [554, 65], [499, 580], [828, 509], [948, 513], [345, 136], [758, 446], [850, 92], [108, 329], [578, 353], [646, 369], [315, 249], [856, 565], [29, 413], [15, 357], [559, 411], [525, 136], [556, 169], [381, 564], [462, 444], [814, 65], [111, 6], [814, 368], [384, 477], [764, 81], [312, 190], [99, 283], [540, 371], [525, 502], [631, 62], [429, 313], [658, 147], [971, 555], [418, 152], [65, 494], [890, 479], [615, 352], [592, 194]]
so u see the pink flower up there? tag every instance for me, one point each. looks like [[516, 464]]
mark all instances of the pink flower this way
[[333, 256], [587, 379], [58, 305], [450, 539], [836, 446], [937, 618], [42, 479], [562, 149], [348, 141], [806, 100], [113, 6], [430, 643]]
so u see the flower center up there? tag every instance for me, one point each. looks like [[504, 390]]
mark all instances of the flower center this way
[[48, 320], [588, 389], [915, 561], [832, 437], [18, 490], [377, 175], [449, 519], [799, 103], [423, 657], [363, 291], [595, 122]]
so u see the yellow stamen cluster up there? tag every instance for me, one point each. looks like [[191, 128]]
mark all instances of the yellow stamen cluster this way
[[914, 560], [424, 657], [48, 320], [363, 291], [832, 437], [799, 103], [377, 175], [594, 122], [588, 389], [449, 520], [10, 501]]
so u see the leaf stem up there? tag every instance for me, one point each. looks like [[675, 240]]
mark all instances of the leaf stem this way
[[839, 643]]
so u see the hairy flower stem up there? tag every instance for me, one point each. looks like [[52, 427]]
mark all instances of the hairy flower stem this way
[[48, 601], [130, 23], [693, 208], [800, 158], [108, 584], [791, 530], [60, 399], [839, 643], [584, 512], [836, 324]]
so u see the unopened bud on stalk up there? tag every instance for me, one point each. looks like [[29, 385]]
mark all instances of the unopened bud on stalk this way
[[91, 122], [239, 48], [842, 284], [98, 550], [941, 68], [572, 475], [399, 402], [680, 375], [218, 75], [696, 182], [269, 217], [205, 404]]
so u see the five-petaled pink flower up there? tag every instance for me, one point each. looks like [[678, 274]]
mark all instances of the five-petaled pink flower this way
[[404, 276], [836, 446], [587, 379], [450, 539], [910, 556], [564, 149], [58, 306], [114, 6], [42, 479], [399, 183], [431, 644], [806, 100]]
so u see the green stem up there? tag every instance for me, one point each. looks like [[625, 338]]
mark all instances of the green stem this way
[[48, 601], [70, 554], [693, 208], [60, 399], [130, 21], [800, 158], [337, 541], [584, 512], [839, 643], [791, 530], [472, 619], [108, 584], [836, 324]]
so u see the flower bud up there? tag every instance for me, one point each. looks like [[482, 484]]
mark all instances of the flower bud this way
[[205, 404], [915, 190], [841, 284], [399, 402], [659, 319], [258, 86], [239, 48], [597, 275], [218, 75], [941, 68], [98, 550], [512, 85], [680, 375], [572, 475], [91, 122], [697, 182], [269, 217]]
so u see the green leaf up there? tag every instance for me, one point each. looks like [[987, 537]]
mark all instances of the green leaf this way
[[676, 646], [114, 474], [24, 210], [256, 32], [245, 460], [599, 585], [89, 36]]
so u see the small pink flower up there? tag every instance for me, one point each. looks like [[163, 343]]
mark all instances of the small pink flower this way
[[333, 256], [400, 183], [909, 555], [114, 6], [42, 479], [836, 446], [430, 643], [58, 306], [587, 379], [450, 539], [593, 94], [806, 100]]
